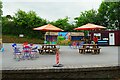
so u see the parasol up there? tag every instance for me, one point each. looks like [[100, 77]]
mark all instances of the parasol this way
[[90, 26], [49, 28]]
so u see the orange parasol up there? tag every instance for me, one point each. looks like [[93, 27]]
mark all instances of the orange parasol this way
[[90, 26], [48, 27]]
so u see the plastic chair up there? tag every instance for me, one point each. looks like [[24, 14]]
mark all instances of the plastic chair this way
[[27, 52], [16, 52], [34, 52]]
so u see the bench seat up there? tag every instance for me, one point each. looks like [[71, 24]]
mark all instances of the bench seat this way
[[95, 50], [82, 50]]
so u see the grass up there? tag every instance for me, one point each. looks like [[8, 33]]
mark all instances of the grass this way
[[15, 39]]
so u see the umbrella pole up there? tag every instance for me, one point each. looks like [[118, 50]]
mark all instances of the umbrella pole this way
[[49, 36]]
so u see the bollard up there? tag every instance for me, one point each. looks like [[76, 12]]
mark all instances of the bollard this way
[[57, 60]]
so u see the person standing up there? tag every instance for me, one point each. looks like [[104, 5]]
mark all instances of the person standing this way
[[95, 39]]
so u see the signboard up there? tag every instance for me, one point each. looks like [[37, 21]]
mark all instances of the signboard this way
[[21, 35]]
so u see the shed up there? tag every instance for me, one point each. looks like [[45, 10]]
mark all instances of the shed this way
[[51, 36], [76, 36], [107, 37]]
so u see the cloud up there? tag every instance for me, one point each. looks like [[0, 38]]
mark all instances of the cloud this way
[[51, 10], [48, 0]]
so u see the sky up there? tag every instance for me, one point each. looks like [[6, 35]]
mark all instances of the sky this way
[[50, 9]]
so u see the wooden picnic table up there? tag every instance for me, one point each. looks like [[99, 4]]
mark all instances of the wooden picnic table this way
[[48, 48], [90, 48]]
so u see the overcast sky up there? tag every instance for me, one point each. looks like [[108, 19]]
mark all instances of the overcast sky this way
[[51, 9]]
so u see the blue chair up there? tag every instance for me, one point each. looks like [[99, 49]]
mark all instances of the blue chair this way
[[14, 45], [17, 52], [34, 52]]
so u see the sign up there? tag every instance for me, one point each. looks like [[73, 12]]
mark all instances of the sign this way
[[21, 35]]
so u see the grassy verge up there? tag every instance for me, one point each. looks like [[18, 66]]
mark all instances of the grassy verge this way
[[14, 39]]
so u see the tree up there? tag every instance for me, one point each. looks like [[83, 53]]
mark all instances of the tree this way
[[89, 16], [0, 18], [86, 17], [26, 21], [8, 26], [63, 24], [0, 8], [109, 14]]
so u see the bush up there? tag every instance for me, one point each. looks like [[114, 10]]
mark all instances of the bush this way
[[64, 42], [15, 39]]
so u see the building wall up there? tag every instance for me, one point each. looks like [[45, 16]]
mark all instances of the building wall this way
[[106, 33], [117, 38]]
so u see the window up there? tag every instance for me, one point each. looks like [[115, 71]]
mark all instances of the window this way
[[98, 35]]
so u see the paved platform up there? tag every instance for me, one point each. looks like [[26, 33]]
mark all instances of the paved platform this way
[[70, 58]]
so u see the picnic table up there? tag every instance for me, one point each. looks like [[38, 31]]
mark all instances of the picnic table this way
[[89, 48], [48, 48]]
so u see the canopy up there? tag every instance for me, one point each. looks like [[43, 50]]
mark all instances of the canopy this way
[[48, 27], [90, 26]]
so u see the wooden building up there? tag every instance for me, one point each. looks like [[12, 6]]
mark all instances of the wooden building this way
[[107, 37], [76, 36], [51, 36]]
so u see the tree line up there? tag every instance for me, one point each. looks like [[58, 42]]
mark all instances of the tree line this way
[[22, 22]]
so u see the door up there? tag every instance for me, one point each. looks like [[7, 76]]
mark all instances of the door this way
[[111, 38]]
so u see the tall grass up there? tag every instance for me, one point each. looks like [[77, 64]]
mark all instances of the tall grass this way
[[15, 39]]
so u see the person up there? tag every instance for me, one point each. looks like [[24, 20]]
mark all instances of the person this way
[[25, 43], [77, 44], [74, 44], [95, 39], [70, 44]]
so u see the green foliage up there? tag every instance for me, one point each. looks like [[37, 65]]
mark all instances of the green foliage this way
[[23, 23], [86, 17], [8, 26], [64, 42], [14, 39], [0, 19], [109, 14], [63, 24], [0, 9]]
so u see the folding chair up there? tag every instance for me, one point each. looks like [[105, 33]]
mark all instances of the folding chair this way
[[17, 53], [34, 52], [27, 52]]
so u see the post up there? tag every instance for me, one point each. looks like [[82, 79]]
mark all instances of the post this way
[[57, 60], [57, 57]]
